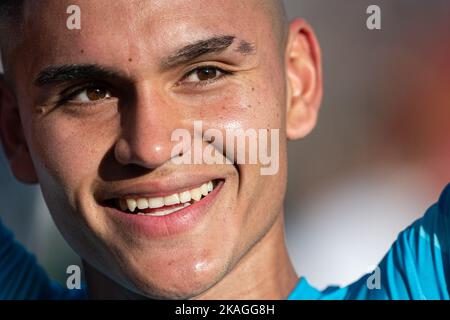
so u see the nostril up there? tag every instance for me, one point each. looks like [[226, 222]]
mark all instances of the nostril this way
[[122, 152]]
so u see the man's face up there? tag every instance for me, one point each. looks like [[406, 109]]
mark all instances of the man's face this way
[[102, 138]]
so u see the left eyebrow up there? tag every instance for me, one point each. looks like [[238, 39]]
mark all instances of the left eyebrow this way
[[75, 72], [197, 49]]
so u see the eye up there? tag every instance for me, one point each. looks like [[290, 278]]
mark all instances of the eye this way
[[204, 74], [90, 94]]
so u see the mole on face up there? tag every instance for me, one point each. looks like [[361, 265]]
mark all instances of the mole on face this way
[[129, 59]]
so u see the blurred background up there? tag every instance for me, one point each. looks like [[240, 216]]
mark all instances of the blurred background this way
[[375, 163]]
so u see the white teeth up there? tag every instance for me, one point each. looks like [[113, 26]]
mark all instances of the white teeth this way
[[204, 189], [171, 200], [155, 203], [132, 204], [142, 203], [196, 194], [185, 197], [210, 186], [166, 212]]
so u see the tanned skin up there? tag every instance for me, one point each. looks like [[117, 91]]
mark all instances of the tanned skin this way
[[83, 151]]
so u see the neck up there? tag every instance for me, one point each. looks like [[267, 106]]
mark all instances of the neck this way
[[264, 272]]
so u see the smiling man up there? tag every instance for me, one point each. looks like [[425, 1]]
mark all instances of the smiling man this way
[[89, 115], [98, 107]]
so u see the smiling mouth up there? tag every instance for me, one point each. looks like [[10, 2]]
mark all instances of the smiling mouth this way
[[164, 205]]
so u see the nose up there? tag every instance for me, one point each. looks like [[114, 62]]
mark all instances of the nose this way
[[147, 124]]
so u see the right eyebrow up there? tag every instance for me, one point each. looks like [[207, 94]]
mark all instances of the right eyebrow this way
[[74, 72], [215, 44]]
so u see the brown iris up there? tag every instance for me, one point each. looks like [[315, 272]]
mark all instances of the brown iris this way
[[205, 74], [95, 94]]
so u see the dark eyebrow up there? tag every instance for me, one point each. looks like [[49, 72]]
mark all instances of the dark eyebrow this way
[[212, 45], [74, 72]]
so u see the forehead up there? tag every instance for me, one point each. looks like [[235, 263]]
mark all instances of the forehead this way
[[137, 29]]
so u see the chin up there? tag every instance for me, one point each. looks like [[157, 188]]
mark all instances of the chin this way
[[183, 280]]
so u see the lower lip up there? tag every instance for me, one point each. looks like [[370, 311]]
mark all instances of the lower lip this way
[[175, 223]]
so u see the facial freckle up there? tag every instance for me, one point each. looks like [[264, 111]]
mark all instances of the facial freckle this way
[[81, 51], [130, 59]]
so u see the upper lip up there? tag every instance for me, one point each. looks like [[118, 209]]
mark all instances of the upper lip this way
[[153, 188]]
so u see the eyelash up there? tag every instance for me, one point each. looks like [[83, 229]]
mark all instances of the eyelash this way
[[72, 92], [224, 73]]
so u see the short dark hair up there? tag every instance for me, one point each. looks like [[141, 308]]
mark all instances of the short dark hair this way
[[10, 9], [10, 14]]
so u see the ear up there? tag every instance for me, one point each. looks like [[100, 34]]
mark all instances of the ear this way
[[304, 76], [12, 136]]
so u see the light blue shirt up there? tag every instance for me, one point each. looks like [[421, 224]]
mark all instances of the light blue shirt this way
[[416, 267]]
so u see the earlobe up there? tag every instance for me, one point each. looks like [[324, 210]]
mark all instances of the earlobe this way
[[12, 137], [303, 63]]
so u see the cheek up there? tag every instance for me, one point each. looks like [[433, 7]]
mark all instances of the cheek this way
[[258, 105], [69, 150], [253, 106]]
